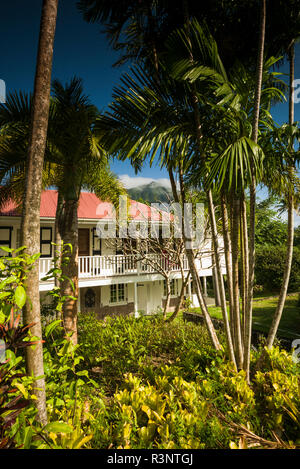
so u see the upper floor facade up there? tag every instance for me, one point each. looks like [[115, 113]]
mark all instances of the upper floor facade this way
[[101, 260]]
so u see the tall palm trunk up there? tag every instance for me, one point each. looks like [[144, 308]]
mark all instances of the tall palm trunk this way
[[58, 232], [290, 200], [31, 204], [227, 254], [187, 242], [211, 209], [235, 281], [219, 276], [69, 284], [257, 97], [245, 260], [192, 266]]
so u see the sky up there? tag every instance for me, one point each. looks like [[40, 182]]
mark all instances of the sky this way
[[80, 49]]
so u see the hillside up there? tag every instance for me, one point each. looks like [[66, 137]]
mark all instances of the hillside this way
[[152, 192]]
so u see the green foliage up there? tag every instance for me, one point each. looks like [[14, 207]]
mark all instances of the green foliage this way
[[270, 229], [270, 266], [66, 403], [174, 391], [13, 271], [121, 345], [140, 383], [15, 386], [278, 396], [169, 414]]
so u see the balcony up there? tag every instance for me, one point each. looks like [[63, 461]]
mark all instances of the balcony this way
[[93, 267]]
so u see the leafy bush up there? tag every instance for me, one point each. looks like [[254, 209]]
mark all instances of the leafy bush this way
[[155, 385], [66, 404], [122, 345], [15, 386], [169, 414], [174, 391], [270, 266]]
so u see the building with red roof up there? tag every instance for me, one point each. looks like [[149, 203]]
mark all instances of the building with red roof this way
[[110, 281]]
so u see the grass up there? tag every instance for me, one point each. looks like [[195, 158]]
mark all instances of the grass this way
[[263, 311]]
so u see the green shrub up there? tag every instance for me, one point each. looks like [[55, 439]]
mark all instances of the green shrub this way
[[270, 266], [121, 345]]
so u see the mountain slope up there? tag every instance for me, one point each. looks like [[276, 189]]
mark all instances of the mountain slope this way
[[151, 193]]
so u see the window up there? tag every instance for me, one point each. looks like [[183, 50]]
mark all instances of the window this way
[[96, 243], [45, 242], [89, 298], [113, 293], [117, 293], [173, 287], [121, 292], [5, 239]]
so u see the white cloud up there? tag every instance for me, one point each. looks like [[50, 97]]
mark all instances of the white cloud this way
[[129, 181]]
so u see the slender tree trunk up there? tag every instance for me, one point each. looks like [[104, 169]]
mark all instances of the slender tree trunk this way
[[219, 276], [193, 268], [245, 261], [184, 282], [257, 97], [31, 204], [215, 281], [69, 286], [189, 252], [168, 297], [235, 281], [227, 253], [290, 240], [215, 241], [58, 232]]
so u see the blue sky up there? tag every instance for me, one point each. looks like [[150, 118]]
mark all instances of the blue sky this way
[[80, 49]]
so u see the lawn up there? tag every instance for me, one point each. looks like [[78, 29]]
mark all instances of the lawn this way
[[263, 310]]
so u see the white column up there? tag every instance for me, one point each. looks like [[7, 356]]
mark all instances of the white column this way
[[204, 286], [190, 288], [136, 314]]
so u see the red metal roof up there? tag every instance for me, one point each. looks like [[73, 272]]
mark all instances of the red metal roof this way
[[90, 207]]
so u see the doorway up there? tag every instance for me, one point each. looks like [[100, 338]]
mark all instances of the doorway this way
[[84, 250]]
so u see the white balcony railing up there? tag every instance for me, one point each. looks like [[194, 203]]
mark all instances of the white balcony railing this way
[[106, 266]]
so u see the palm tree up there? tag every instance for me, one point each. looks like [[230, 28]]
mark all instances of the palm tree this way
[[283, 183], [257, 98], [131, 131], [290, 197], [74, 159], [31, 203], [151, 117], [84, 163]]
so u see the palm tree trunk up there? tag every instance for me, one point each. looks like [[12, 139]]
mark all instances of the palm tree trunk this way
[[290, 240], [69, 284], [215, 241], [257, 97], [58, 232], [245, 260], [193, 268], [227, 253], [32, 196], [235, 281]]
